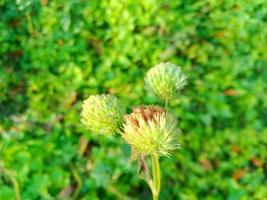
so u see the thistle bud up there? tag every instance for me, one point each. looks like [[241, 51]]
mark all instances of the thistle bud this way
[[165, 79], [102, 114], [151, 130]]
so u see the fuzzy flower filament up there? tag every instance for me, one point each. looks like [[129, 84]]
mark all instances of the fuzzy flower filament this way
[[102, 114], [165, 79], [151, 130]]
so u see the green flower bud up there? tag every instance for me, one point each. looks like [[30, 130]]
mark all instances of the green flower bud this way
[[102, 114], [151, 130], [165, 79]]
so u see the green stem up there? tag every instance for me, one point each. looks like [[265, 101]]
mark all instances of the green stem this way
[[30, 26], [166, 104], [156, 176], [14, 182], [78, 180], [117, 193]]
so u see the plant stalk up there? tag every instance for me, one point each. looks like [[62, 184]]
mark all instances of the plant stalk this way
[[166, 103], [15, 183], [156, 176]]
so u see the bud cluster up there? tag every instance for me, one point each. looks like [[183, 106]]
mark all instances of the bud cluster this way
[[148, 129]]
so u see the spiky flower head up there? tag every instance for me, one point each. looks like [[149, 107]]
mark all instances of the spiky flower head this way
[[151, 130], [165, 79], [102, 114]]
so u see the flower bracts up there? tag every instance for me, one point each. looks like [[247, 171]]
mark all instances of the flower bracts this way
[[164, 80], [102, 114], [151, 130]]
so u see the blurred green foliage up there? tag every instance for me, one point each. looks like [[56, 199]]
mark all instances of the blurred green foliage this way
[[53, 54]]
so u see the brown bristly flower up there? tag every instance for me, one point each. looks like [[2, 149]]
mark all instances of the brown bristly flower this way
[[150, 130]]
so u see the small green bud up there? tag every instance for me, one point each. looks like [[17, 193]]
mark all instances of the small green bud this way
[[102, 114], [164, 80], [151, 130]]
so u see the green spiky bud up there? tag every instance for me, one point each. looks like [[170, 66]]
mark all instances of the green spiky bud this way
[[164, 80], [151, 130], [102, 114]]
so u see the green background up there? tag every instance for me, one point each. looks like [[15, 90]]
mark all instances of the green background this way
[[54, 54]]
